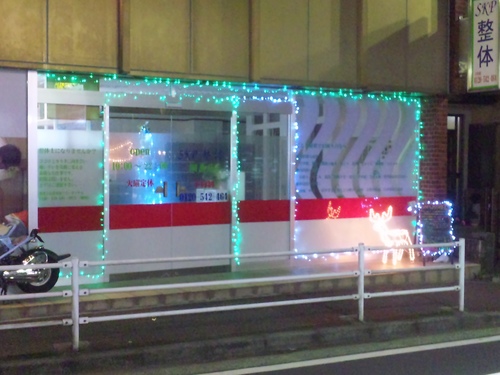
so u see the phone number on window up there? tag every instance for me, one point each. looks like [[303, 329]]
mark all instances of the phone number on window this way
[[211, 195]]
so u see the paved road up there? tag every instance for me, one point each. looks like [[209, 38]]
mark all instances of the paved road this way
[[470, 357]]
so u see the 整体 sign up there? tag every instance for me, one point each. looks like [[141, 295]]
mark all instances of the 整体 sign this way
[[484, 67]]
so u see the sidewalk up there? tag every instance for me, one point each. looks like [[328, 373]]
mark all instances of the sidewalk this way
[[265, 333], [191, 289]]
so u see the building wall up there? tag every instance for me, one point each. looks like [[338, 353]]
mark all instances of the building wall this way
[[434, 148], [368, 44]]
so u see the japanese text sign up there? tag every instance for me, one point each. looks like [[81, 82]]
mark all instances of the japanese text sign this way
[[483, 74]]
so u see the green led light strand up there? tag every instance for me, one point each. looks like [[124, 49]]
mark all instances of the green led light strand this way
[[236, 229]]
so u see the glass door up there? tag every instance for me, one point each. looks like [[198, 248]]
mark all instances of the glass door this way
[[169, 172]]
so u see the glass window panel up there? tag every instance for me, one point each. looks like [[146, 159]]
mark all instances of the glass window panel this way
[[263, 156], [274, 117], [160, 156]]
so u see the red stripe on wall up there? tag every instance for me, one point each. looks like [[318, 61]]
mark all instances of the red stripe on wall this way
[[88, 218], [166, 215], [264, 211], [346, 208], [69, 219], [130, 216], [185, 214], [72, 219]]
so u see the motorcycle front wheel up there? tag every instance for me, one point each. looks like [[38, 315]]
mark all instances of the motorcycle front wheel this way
[[47, 277]]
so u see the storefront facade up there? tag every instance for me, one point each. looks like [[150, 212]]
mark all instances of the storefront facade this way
[[137, 168]]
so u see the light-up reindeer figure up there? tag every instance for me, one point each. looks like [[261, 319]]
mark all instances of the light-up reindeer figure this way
[[393, 238]]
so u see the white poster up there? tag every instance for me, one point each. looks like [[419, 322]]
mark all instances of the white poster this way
[[70, 169]]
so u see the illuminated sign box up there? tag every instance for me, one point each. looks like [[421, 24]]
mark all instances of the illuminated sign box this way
[[484, 67]]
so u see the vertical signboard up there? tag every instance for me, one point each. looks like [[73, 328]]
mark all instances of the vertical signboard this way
[[483, 72]]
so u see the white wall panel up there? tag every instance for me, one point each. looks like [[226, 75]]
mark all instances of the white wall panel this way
[[154, 243], [81, 245], [201, 240], [321, 235], [264, 238]]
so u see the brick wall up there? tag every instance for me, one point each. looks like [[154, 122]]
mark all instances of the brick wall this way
[[433, 165], [434, 148]]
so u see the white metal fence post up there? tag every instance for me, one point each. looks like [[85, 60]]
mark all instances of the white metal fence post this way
[[361, 282], [461, 281], [75, 309]]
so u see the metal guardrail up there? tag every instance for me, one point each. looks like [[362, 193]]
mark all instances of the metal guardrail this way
[[360, 273]]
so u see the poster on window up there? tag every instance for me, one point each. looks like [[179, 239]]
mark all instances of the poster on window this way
[[350, 148], [70, 171]]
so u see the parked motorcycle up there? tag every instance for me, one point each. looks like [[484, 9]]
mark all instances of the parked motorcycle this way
[[32, 280]]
